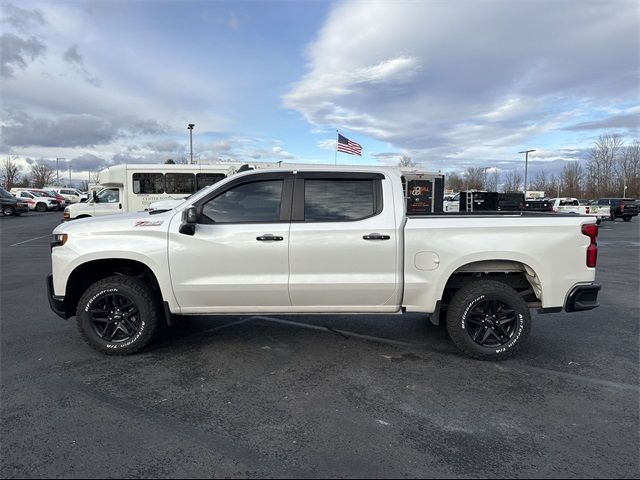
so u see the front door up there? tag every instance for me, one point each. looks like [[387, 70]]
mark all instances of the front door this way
[[107, 202], [237, 259]]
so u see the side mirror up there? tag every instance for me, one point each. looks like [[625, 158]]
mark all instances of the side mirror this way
[[95, 196], [189, 220]]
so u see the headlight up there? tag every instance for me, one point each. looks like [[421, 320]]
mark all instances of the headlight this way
[[59, 239]]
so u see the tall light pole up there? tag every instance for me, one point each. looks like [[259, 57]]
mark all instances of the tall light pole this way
[[190, 127], [526, 168], [58, 170]]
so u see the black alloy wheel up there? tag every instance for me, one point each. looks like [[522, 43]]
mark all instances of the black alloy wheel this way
[[119, 315], [488, 320], [115, 317], [491, 323]]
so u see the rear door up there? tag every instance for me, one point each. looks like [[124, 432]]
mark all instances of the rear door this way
[[343, 243]]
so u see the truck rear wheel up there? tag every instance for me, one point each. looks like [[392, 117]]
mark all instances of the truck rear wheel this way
[[488, 320], [118, 315], [627, 218]]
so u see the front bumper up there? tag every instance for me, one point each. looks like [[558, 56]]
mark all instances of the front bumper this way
[[55, 302], [582, 297]]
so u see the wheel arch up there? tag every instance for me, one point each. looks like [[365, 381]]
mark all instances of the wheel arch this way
[[87, 273], [516, 273]]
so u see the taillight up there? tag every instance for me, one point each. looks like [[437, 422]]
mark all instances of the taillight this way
[[591, 231]]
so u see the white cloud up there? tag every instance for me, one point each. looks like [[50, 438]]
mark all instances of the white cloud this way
[[454, 80]]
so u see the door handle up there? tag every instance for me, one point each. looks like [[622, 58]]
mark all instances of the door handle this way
[[269, 238], [376, 236]]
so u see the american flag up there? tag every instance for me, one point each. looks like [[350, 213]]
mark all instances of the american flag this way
[[347, 146]]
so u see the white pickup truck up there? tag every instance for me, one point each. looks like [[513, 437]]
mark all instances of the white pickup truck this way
[[572, 205], [325, 241]]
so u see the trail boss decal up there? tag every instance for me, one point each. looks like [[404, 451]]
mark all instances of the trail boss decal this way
[[147, 223]]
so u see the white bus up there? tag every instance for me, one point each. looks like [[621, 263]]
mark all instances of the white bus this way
[[132, 188]]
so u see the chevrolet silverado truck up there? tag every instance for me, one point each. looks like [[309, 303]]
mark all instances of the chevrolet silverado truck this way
[[322, 241]]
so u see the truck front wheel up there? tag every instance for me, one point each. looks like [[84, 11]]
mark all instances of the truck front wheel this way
[[488, 320], [118, 315]]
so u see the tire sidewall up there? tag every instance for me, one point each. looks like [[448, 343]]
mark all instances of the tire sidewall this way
[[41, 207], [8, 211], [94, 294], [469, 296], [519, 331]]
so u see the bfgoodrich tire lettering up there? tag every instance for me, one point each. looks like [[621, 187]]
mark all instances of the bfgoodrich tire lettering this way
[[118, 315], [488, 320]]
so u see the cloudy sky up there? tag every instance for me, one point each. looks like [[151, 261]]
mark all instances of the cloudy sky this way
[[450, 83]]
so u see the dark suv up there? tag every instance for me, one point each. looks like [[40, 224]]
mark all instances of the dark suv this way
[[11, 205], [624, 208]]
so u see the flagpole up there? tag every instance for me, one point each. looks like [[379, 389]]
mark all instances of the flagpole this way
[[335, 162]]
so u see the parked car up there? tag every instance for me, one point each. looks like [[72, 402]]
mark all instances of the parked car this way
[[11, 205], [624, 208], [71, 195], [320, 240], [36, 201], [62, 203]]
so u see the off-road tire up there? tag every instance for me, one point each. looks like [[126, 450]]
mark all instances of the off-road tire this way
[[148, 318], [459, 314]]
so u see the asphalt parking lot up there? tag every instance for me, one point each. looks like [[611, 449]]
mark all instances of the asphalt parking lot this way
[[305, 396]]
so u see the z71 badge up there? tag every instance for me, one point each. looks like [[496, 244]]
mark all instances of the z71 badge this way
[[146, 223]]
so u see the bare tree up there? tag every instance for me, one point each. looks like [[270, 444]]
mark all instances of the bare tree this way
[[602, 165], [94, 178], [539, 182], [474, 178], [571, 179], [41, 175], [493, 180], [406, 161], [454, 182], [84, 185], [9, 172], [552, 189], [629, 170], [512, 181]]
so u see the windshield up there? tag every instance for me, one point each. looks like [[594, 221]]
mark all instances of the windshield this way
[[108, 195], [5, 194]]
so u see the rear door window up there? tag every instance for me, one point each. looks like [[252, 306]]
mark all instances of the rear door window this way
[[335, 200]]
